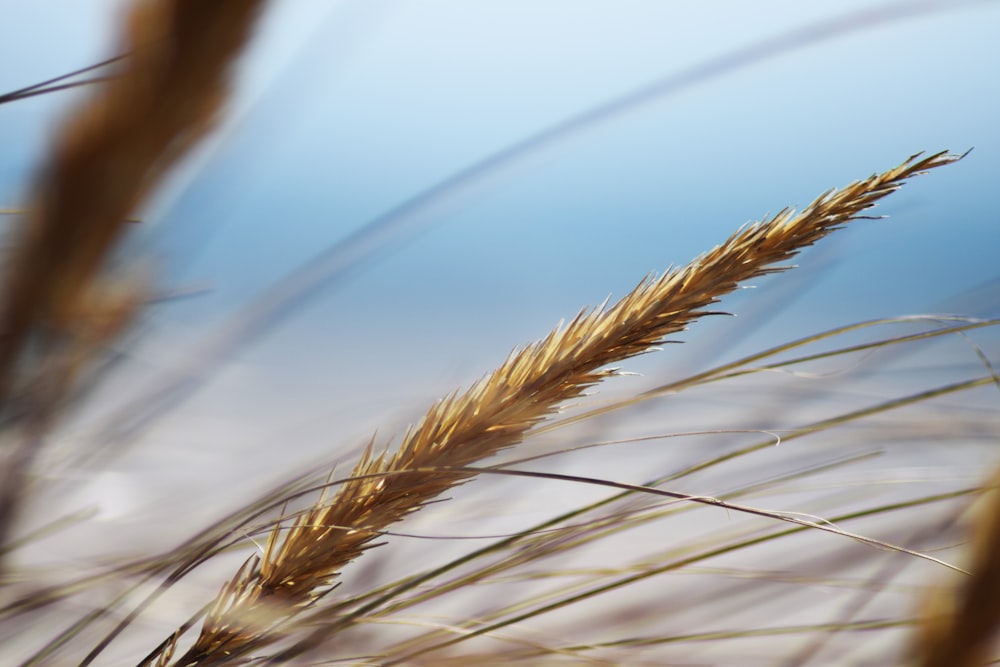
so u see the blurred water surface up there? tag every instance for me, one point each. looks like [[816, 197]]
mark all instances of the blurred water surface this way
[[344, 111]]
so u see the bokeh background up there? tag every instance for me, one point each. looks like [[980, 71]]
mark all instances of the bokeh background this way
[[721, 112]]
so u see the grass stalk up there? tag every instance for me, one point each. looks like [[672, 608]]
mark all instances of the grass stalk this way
[[301, 562]]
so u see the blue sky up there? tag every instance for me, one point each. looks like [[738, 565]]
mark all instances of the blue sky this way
[[344, 110]]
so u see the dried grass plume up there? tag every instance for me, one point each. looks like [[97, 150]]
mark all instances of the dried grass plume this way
[[301, 561]]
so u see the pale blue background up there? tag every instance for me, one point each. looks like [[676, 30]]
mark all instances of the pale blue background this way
[[346, 109], [343, 110]]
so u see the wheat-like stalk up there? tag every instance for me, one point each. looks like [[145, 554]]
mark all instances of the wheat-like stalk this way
[[301, 561]]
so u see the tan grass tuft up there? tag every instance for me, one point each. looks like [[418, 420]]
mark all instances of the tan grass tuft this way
[[104, 160], [300, 562], [960, 622]]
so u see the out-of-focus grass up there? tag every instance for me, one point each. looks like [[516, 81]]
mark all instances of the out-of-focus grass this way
[[567, 549]]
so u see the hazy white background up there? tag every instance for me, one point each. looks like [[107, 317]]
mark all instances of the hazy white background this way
[[344, 110]]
